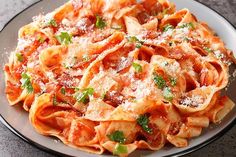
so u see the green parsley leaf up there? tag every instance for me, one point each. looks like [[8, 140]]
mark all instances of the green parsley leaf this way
[[186, 39], [25, 83], [168, 27], [63, 90], [209, 50], [84, 95], [64, 38], [53, 23], [173, 81], [143, 122], [137, 67], [54, 100], [41, 40], [120, 149], [134, 39], [19, 57], [139, 45], [100, 22], [189, 25], [117, 136], [76, 89], [159, 81], [103, 96], [168, 95]]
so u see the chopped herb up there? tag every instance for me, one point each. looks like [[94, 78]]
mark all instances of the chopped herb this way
[[41, 40], [137, 67], [173, 81], [19, 57], [209, 50], [25, 83], [103, 96], [189, 25], [159, 81], [63, 90], [186, 39], [168, 95], [84, 95], [54, 100], [134, 39], [53, 23], [117, 136], [168, 27], [117, 27], [143, 122], [64, 38], [138, 45], [120, 149], [76, 89], [100, 22]]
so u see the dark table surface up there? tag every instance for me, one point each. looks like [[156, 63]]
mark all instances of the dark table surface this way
[[11, 145]]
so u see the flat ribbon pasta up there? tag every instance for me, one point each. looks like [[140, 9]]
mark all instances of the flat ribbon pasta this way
[[118, 75]]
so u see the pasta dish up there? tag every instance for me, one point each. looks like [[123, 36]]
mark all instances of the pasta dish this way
[[119, 75]]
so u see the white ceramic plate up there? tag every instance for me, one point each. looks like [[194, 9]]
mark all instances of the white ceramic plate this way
[[16, 119]]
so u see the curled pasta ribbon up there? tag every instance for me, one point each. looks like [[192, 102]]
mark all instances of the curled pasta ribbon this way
[[64, 123]]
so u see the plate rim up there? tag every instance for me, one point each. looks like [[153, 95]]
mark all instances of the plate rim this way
[[54, 152]]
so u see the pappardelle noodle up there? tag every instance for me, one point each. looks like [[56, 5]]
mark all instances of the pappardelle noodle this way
[[119, 75]]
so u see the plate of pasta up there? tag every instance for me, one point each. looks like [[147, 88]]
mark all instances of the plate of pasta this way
[[118, 77]]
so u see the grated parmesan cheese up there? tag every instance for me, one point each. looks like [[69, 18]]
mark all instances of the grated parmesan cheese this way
[[194, 101], [218, 54]]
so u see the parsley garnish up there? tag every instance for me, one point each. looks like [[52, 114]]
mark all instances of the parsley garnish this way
[[25, 83], [63, 90], [186, 39], [54, 100], [53, 23], [159, 81], [84, 95], [209, 50], [139, 45], [100, 22], [189, 25], [173, 81], [168, 27], [41, 40], [103, 96], [143, 122], [117, 136], [120, 149], [19, 57], [64, 38], [134, 39], [168, 95], [137, 67]]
